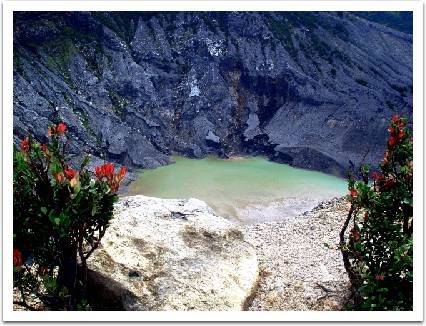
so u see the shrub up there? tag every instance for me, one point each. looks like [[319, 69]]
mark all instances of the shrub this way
[[59, 218], [378, 255]]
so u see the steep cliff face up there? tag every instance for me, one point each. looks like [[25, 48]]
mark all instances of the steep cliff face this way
[[310, 89]]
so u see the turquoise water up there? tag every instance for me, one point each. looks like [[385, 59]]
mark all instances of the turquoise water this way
[[247, 189]]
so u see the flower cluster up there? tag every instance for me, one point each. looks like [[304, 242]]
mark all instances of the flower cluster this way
[[67, 174], [396, 130], [103, 173], [106, 171], [376, 176], [353, 192], [57, 129], [60, 215], [25, 145], [17, 257], [378, 252], [70, 173], [59, 177]]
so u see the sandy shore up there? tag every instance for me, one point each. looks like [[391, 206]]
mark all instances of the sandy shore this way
[[298, 271]]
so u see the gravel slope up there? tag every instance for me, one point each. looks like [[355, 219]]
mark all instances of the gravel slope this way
[[298, 271]]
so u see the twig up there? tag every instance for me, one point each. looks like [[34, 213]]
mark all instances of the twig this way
[[325, 289], [345, 254], [326, 296]]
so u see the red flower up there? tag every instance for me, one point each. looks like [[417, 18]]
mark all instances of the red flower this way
[[401, 125], [366, 216], [380, 277], [355, 235], [51, 130], [401, 134], [109, 170], [392, 141], [389, 183], [114, 186], [25, 145], [59, 177], [45, 149], [62, 127], [391, 130], [353, 192], [17, 257], [122, 172], [70, 173], [395, 118], [43, 270], [106, 170], [377, 176], [99, 172], [57, 130]]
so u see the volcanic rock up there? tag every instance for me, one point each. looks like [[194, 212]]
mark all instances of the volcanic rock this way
[[161, 254]]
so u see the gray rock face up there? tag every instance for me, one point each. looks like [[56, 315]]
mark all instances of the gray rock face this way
[[212, 137], [310, 89], [253, 129], [161, 254]]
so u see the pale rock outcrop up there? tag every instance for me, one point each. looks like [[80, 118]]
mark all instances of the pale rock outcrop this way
[[172, 254]]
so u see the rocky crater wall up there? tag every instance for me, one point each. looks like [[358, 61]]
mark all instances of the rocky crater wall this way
[[311, 89]]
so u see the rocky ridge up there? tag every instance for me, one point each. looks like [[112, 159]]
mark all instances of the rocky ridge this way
[[311, 89]]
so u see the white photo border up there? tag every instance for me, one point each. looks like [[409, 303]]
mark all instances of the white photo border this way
[[7, 127]]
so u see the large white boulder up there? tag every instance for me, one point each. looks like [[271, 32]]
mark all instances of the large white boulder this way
[[172, 254]]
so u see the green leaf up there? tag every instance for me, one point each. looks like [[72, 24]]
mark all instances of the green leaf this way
[[85, 162], [94, 210], [365, 168], [77, 188], [43, 210], [358, 246]]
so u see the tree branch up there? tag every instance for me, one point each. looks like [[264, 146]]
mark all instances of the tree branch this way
[[345, 254]]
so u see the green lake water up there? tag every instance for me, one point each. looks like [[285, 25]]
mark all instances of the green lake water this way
[[246, 189]]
